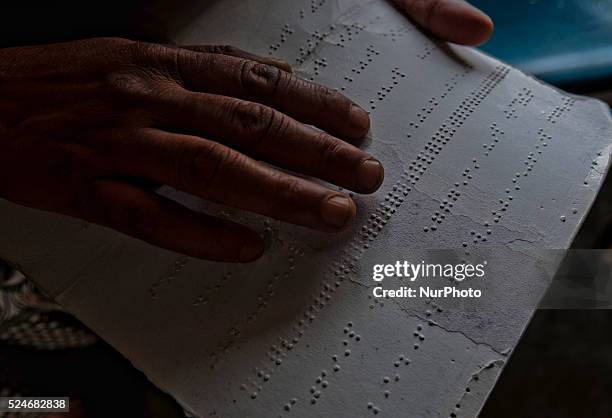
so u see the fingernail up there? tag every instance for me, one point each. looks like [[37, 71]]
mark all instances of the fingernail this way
[[251, 251], [371, 174], [359, 118], [337, 210]]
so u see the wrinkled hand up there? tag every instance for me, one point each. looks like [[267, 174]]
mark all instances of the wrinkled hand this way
[[90, 128], [452, 20]]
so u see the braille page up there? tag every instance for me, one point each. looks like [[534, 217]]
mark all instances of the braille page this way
[[479, 158]]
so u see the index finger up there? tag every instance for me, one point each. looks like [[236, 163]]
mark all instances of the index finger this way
[[253, 81]]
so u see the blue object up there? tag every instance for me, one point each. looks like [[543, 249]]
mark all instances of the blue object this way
[[564, 42]]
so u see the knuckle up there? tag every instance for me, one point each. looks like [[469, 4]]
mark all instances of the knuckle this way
[[200, 167], [190, 165], [156, 62], [143, 52], [117, 47], [324, 94], [260, 79], [330, 150], [289, 189], [130, 217], [279, 126], [180, 61], [329, 99], [128, 85], [252, 119]]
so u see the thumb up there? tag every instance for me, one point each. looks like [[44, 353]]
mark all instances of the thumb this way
[[452, 20]]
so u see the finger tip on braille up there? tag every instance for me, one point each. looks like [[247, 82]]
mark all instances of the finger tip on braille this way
[[337, 211], [370, 175], [359, 120]]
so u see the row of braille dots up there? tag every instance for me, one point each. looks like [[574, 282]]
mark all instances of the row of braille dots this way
[[351, 31], [396, 196], [497, 134], [454, 193], [276, 354], [387, 380], [286, 31], [363, 64], [176, 268], [312, 42], [490, 82], [559, 111], [253, 387], [424, 113], [377, 220], [320, 299], [375, 302], [396, 33], [375, 223], [417, 167], [319, 63], [523, 97], [396, 74], [321, 382], [263, 374], [263, 299], [316, 4], [204, 297], [447, 130], [371, 52], [350, 338], [594, 164], [341, 270], [505, 203], [431, 309], [419, 337], [441, 137], [454, 81], [435, 101], [473, 380], [428, 48], [445, 206]]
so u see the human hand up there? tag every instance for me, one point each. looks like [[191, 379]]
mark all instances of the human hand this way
[[87, 127], [452, 20]]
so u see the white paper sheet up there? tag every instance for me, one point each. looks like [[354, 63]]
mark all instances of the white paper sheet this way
[[477, 156]]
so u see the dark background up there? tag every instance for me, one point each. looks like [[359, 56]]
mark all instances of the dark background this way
[[561, 368]]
